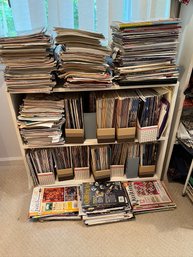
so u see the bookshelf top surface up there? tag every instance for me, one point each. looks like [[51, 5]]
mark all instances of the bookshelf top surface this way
[[114, 87]]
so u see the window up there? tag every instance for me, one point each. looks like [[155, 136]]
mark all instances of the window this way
[[17, 16]]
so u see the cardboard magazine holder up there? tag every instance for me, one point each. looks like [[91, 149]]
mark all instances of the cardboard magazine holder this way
[[105, 135], [117, 170], [125, 134], [46, 178], [146, 171], [81, 173], [74, 135], [65, 174], [132, 167], [102, 175]]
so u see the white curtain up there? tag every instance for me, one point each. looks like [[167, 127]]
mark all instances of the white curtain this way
[[93, 15]]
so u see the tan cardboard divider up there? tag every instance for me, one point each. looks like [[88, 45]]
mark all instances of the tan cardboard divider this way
[[74, 135], [125, 134], [146, 171], [106, 135]]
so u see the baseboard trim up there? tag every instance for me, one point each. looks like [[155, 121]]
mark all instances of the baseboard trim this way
[[9, 159]]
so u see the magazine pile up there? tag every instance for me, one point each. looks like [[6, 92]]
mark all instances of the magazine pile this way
[[54, 203], [99, 202], [104, 203]]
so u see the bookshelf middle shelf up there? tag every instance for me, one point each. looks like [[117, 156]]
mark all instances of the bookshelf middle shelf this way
[[87, 142]]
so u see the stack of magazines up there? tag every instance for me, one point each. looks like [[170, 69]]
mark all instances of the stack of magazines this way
[[145, 52], [82, 59], [148, 196], [41, 118], [54, 203], [99, 202], [29, 62], [105, 202]]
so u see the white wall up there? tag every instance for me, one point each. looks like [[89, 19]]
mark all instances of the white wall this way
[[9, 146]]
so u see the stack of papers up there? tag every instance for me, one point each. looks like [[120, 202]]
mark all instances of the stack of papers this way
[[41, 118], [145, 52], [29, 62], [82, 59]]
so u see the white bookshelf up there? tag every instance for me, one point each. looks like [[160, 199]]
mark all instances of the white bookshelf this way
[[15, 100]]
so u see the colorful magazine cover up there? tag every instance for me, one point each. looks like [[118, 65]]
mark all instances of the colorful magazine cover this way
[[103, 195], [54, 200], [147, 193]]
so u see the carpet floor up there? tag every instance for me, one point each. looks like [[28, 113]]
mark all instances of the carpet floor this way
[[162, 234]]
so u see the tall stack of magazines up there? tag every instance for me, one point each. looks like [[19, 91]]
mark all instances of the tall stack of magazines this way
[[41, 118], [145, 52], [82, 59], [29, 62]]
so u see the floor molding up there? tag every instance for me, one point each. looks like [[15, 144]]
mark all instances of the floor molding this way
[[9, 159]]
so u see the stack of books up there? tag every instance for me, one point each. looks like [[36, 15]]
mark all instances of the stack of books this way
[[148, 196], [41, 118], [105, 202], [29, 62], [54, 203], [145, 52], [82, 59]]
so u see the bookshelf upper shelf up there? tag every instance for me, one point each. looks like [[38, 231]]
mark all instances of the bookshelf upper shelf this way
[[115, 87]]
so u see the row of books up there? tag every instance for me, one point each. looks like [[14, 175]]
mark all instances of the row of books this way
[[99, 203], [59, 118], [142, 52], [145, 52], [104, 162]]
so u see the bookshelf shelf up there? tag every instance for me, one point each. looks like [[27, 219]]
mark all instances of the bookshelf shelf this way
[[115, 87], [87, 142], [72, 115], [16, 99], [91, 179]]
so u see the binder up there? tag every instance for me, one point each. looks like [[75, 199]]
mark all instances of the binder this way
[[132, 167]]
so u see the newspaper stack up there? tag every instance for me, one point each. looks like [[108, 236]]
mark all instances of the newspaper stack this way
[[105, 202], [145, 52], [41, 118], [148, 196], [29, 62], [54, 203], [82, 59]]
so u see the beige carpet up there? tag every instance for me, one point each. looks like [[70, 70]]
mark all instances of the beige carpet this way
[[160, 234]]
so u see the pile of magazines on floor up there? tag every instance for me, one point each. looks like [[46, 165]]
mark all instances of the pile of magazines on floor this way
[[99, 202]]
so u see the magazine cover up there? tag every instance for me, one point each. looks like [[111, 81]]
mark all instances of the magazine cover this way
[[147, 193], [103, 195], [53, 200]]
